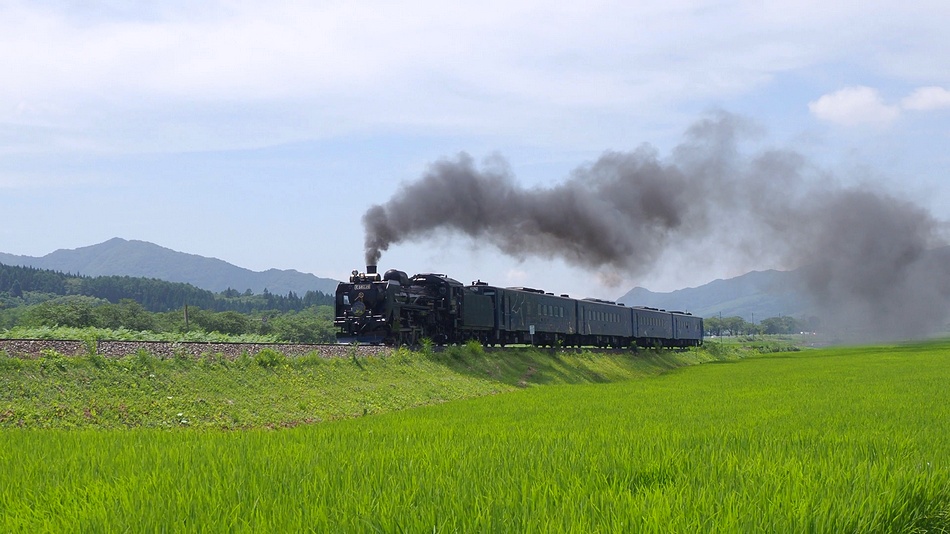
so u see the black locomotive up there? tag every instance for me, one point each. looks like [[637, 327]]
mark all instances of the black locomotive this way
[[398, 310]]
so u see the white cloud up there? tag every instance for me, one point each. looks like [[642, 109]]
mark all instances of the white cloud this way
[[854, 106], [860, 105], [526, 69], [927, 99]]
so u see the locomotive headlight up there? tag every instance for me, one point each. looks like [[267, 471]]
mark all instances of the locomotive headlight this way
[[358, 308]]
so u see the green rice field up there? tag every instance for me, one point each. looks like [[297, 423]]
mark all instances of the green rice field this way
[[825, 440]]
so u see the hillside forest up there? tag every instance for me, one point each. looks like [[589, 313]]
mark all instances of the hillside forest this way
[[32, 298]]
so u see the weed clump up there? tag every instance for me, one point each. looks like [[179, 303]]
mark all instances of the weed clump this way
[[269, 358], [52, 361]]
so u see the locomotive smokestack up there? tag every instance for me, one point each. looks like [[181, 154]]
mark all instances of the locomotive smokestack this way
[[370, 269]]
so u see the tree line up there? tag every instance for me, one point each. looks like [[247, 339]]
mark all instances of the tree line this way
[[31, 297], [153, 294], [737, 326]]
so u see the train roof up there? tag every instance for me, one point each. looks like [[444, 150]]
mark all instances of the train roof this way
[[601, 301], [436, 276], [648, 308]]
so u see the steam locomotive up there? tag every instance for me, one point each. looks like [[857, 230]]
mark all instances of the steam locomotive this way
[[398, 310]]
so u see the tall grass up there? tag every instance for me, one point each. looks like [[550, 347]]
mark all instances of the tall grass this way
[[124, 334], [818, 441]]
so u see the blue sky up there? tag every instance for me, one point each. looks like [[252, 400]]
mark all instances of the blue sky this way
[[259, 133]]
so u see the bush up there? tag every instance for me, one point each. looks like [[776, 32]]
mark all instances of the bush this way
[[269, 358], [50, 360], [427, 346], [474, 347]]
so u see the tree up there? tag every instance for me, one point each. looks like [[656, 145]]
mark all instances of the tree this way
[[734, 325], [781, 325], [15, 289], [712, 326], [227, 322], [230, 293], [126, 314], [76, 313], [304, 327]]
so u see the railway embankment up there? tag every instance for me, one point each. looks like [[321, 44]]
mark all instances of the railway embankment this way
[[35, 348], [271, 389]]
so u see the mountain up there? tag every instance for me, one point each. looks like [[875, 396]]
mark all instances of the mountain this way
[[754, 295], [140, 258]]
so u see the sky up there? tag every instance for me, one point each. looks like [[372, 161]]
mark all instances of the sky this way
[[261, 133]]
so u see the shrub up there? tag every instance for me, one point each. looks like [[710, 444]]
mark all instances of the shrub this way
[[143, 360], [269, 358], [427, 345], [97, 360], [51, 360], [474, 347]]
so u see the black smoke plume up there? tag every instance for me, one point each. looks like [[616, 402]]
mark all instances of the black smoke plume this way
[[863, 254]]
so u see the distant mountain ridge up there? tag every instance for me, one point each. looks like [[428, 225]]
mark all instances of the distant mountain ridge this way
[[776, 293], [753, 296], [123, 257]]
